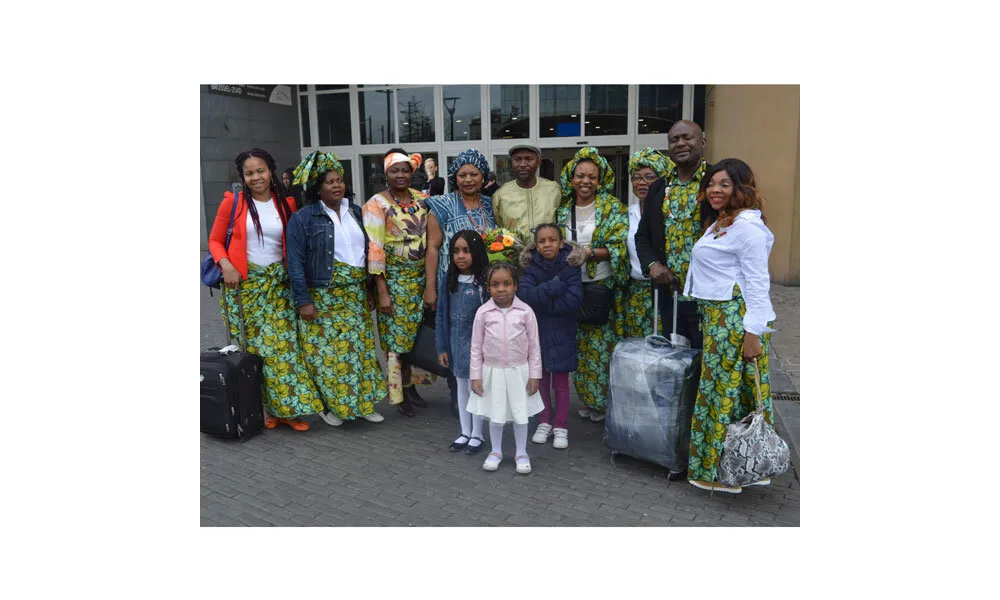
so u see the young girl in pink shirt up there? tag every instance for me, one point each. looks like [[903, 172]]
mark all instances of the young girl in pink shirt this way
[[505, 365]]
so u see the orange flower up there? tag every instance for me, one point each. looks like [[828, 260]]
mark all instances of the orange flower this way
[[507, 242], [496, 247]]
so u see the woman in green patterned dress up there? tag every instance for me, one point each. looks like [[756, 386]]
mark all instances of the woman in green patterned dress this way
[[729, 278], [396, 223], [327, 249], [254, 263], [644, 167], [601, 226]]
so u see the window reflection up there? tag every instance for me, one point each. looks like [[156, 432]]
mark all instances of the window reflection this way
[[375, 109], [559, 110], [461, 113], [659, 107], [304, 111], [607, 110], [700, 92], [416, 115], [333, 113], [373, 176], [509, 116]]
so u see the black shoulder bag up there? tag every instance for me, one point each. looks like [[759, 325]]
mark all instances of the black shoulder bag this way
[[597, 297]]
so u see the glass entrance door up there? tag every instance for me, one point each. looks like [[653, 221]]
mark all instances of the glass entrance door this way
[[554, 159]]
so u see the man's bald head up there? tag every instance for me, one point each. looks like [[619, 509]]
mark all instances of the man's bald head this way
[[686, 143]]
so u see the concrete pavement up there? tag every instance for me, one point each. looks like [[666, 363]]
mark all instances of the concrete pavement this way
[[400, 473]]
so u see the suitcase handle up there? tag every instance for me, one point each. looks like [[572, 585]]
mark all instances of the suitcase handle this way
[[656, 310], [239, 310]]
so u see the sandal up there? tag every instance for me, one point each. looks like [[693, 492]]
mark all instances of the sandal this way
[[270, 422], [296, 424]]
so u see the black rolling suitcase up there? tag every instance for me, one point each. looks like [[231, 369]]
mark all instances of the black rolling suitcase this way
[[231, 402]]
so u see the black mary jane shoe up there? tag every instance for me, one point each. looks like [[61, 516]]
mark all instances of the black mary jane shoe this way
[[456, 446], [414, 397], [470, 450], [406, 408]]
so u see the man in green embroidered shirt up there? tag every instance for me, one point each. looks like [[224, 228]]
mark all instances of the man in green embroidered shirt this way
[[671, 224], [529, 200]]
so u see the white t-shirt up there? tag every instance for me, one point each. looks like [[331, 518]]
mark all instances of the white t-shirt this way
[[634, 215], [270, 251], [349, 244], [586, 222], [466, 278]]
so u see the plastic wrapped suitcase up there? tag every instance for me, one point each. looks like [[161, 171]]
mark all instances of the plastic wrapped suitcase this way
[[652, 393], [231, 400]]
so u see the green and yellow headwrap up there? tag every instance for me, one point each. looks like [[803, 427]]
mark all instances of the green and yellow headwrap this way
[[649, 157], [605, 175], [315, 166]]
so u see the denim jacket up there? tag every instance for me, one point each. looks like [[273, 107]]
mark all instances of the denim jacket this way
[[456, 312], [310, 238]]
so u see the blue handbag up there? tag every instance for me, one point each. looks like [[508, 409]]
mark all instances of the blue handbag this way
[[211, 273]]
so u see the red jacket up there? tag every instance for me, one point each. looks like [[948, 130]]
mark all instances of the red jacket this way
[[238, 244]]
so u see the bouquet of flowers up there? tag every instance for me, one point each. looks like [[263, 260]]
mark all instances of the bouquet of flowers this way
[[503, 244]]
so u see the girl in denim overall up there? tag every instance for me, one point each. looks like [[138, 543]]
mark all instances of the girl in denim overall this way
[[460, 294]]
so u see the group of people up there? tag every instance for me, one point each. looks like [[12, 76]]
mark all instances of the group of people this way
[[309, 280]]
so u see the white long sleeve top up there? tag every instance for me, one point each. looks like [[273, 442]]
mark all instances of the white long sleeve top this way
[[736, 255]]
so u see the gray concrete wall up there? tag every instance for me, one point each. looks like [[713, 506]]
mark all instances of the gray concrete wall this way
[[230, 125]]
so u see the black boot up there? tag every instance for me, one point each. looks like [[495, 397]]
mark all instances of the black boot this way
[[415, 399], [406, 408]]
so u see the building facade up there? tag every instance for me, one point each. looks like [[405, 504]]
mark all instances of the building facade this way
[[360, 123]]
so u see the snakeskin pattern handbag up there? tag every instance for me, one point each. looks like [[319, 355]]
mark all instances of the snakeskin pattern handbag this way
[[753, 450]]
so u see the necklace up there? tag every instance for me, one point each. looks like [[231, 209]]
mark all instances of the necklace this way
[[407, 207], [479, 227]]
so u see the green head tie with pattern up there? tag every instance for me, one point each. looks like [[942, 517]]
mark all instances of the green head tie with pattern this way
[[649, 157], [605, 175], [314, 166]]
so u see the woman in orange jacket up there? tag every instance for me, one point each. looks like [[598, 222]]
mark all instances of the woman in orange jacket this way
[[255, 264]]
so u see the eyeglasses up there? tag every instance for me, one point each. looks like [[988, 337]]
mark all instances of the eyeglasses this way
[[648, 178]]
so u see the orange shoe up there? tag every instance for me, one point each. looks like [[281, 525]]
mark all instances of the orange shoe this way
[[270, 422], [296, 424]]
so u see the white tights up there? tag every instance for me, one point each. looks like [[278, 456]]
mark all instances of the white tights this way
[[520, 438], [472, 425]]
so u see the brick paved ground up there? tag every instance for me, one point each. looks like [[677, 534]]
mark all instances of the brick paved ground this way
[[400, 473]]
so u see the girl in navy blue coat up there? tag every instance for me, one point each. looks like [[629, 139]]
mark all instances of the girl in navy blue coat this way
[[551, 286], [460, 294]]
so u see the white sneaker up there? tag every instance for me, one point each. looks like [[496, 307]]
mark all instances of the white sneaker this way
[[331, 419], [561, 439], [596, 417], [583, 412], [542, 433], [765, 481], [373, 418]]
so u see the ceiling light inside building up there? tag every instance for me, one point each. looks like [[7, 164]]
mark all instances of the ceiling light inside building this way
[[458, 120], [572, 116]]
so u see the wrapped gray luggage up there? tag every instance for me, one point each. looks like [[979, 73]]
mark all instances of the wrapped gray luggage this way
[[652, 393]]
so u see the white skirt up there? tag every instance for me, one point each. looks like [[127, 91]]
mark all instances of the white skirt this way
[[506, 396]]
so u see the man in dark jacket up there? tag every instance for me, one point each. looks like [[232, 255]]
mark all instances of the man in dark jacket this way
[[665, 237]]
